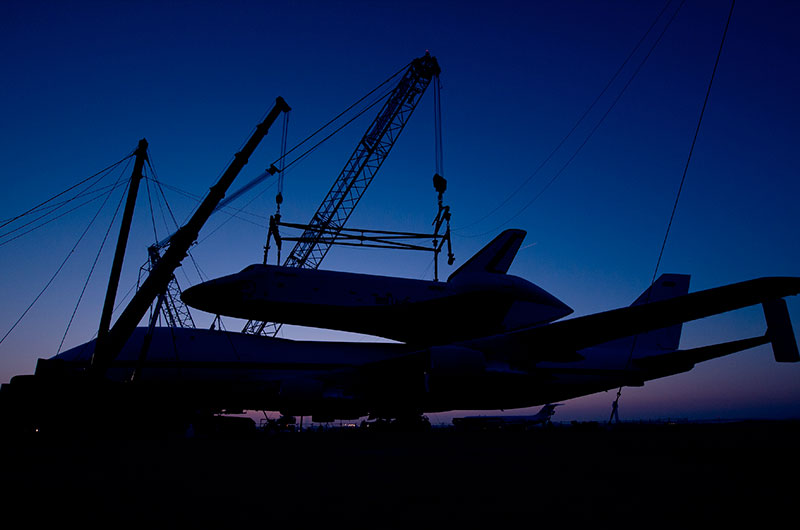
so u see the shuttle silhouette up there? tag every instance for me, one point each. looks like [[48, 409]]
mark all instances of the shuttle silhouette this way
[[478, 299]]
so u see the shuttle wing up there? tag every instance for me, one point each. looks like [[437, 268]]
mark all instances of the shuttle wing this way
[[560, 341]]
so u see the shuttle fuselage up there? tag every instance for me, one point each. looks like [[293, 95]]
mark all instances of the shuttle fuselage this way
[[470, 304]]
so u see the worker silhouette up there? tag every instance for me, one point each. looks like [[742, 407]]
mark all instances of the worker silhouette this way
[[614, 412]]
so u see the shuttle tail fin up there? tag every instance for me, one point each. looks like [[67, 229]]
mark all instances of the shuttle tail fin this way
[[495, 257]]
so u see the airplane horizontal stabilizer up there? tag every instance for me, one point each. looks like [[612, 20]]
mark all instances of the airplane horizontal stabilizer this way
[[563, 337], [495, 257]]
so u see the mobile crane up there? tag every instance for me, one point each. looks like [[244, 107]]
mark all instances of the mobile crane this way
[[370, 153]]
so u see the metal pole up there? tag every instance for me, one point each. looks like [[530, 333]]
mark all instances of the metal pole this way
[[122, 242], [163, 270]]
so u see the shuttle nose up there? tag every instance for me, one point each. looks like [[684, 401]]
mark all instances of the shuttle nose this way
[[194, 296], [208, 296], [219, 296]]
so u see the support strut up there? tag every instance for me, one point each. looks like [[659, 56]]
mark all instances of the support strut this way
[[107, 349]]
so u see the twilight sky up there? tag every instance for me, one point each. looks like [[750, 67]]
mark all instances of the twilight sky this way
[[84, 81]]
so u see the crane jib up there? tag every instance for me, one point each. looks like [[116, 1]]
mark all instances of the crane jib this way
[[355, 177], [363, 164]]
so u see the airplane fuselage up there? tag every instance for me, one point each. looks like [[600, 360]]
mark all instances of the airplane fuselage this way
[[344, 380]]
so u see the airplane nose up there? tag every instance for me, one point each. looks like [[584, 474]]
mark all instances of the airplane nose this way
[[540, 296], [551, 300]]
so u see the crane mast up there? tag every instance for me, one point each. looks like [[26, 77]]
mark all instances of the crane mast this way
[[358, 172], [110, 342]]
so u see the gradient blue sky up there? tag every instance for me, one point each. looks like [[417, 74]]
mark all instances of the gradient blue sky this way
[[84, 81]]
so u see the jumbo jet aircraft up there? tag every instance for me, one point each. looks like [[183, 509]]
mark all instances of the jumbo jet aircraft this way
[[483, 340]]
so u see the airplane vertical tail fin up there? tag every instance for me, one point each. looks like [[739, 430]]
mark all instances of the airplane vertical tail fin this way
[[665, 287], [496, 256], [548, 410], [780, 332]]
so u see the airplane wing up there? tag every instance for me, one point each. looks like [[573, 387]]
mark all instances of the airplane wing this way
[[560, 341], [678, 361]]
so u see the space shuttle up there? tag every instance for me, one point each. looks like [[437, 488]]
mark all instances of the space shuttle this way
[[477, 300]]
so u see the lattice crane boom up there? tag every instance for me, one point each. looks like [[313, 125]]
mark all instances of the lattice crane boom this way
[[358, 172], [363, 164]]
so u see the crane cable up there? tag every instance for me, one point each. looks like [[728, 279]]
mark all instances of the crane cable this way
[[615, 404], [437, 121], [578, 122], [87, 179], [345, 124], [284, 135], [282, 159], [335, 118], [162, 201], [91, 269], [345, 111], [98, 194], [49, 210], [69, 254]]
